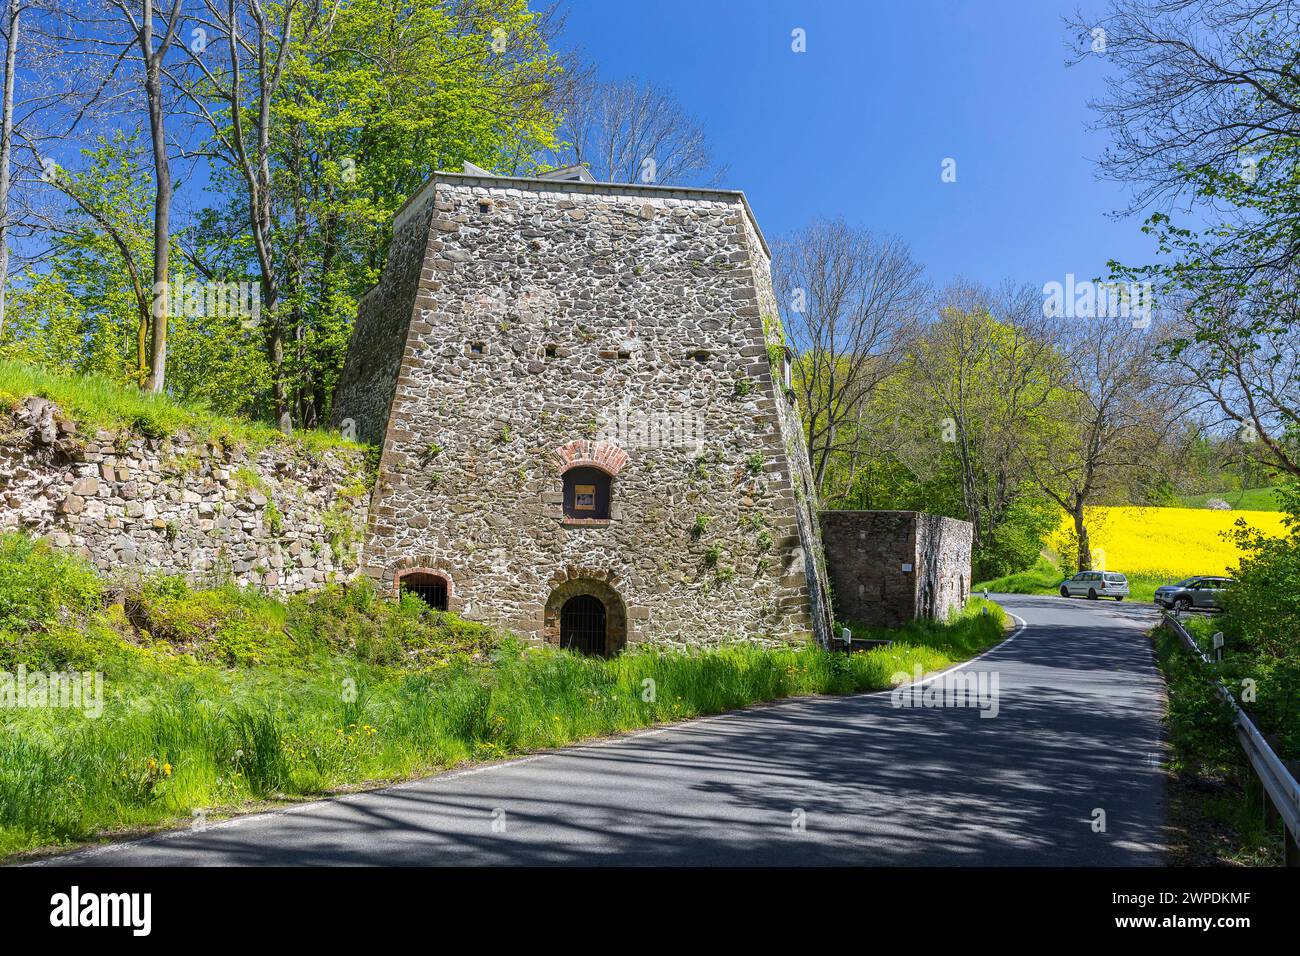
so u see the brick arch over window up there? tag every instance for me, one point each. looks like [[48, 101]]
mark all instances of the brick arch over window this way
[[430, 568], [586, 453], [598, 584]]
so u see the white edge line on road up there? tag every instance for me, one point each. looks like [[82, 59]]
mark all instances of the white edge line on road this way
[[966, 663], [314, 805]]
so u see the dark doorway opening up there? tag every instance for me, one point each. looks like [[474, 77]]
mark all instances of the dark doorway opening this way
[[429, 588], [582, 625]]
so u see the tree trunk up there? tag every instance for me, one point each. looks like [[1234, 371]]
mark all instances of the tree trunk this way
[[161, 227], [6, 149], [1081, 533], [153, 63]]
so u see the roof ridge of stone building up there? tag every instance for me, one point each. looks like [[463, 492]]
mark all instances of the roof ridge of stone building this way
[[578, 186]]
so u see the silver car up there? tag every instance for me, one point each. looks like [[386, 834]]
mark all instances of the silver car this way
[[1203, 592], [1096, 584]]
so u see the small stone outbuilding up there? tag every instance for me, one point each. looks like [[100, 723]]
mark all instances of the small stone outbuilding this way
[[891, 567]]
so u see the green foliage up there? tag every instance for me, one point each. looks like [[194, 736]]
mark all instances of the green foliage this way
[[974, 628], [362, 115], [86, 312], [1199, 721], [1244, 499], [357, 141], [1016, 540], [948, 432], [355, 620], [50, 608], [273, 519], [41, 587], [341, 526], [246, 480], [1213, 783], [1259, 626], [1045, 578]]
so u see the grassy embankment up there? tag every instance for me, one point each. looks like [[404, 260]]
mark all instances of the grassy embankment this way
[[224, 699], [1215, 808], [95, 402], [1244, 499], [1045, 578]]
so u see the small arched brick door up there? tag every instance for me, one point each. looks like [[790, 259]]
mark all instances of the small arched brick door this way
[[584, 613], [429, 588], [582, 625]]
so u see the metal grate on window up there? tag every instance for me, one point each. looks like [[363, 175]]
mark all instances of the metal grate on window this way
[[429, 588]]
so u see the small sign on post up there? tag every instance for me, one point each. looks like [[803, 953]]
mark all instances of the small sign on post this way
[[1216, 642]]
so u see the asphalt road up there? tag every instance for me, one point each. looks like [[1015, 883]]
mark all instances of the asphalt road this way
[[853, 780]]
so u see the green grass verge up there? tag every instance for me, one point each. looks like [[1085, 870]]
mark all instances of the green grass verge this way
[[1045, 578], [979, 625], [95, 402], [222, 699], [1042, 578]]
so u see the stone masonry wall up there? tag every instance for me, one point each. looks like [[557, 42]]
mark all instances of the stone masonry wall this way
[[552, 314], [890, 567], [282, 517], [792, 430], [365, 390], [943, 564]]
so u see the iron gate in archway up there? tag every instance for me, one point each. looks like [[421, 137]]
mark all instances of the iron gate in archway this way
[[582, 624]]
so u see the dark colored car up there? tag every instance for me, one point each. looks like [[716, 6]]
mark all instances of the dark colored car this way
[[1202, 592]]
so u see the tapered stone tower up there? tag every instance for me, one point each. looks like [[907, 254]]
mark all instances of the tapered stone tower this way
[[587, 435]]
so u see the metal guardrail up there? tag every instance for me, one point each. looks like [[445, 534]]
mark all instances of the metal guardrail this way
[[1280, 785]]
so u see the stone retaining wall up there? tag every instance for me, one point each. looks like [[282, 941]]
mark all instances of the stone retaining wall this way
[[281, 517]]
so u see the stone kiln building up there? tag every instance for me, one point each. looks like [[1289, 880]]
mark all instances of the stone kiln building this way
[[586, 433]]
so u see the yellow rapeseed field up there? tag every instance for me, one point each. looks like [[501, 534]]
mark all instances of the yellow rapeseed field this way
[[1166, 542]]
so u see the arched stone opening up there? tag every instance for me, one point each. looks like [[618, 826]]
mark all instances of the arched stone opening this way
[[584, 452], [587, 616], [432, 587]]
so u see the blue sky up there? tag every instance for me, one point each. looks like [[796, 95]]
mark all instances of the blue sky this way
[[860, 124]]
